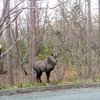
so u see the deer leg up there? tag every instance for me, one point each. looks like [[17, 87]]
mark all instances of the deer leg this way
[[48, 75], [37, 74], [37, 78], [40, 76]]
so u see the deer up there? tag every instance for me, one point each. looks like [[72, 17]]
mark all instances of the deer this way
[[46, 65]]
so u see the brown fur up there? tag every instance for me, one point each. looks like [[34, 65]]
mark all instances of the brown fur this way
[[46, 65]]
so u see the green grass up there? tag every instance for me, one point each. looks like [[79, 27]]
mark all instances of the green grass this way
[[27, 85], [39, 84], [30, 84], [5, 87]]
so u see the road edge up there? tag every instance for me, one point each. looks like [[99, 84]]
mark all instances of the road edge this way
[[10, 92]]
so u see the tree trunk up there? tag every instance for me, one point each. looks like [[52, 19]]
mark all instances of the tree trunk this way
[[1, 65], [89, 31], [8, 55], [3, 15], [16, 37], [32, 41], [99, 36]]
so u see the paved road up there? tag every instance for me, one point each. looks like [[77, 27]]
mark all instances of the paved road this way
[[71, 94]]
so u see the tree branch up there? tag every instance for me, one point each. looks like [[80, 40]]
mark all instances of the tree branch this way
[[10, 23]]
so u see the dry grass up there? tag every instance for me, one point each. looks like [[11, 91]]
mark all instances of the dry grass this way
[[65, 75]]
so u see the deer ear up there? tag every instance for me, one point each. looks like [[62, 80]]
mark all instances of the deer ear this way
[[51, 54]]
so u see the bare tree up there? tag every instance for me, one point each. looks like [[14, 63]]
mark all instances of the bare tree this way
[[99, 24], [1, 67], [32, 40], [2, 18], [89, 32], [8, 45], [65, 28]]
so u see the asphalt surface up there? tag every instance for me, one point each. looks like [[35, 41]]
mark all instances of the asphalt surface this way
[[71, 94]]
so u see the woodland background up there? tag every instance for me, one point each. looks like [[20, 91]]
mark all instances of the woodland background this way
[[31, 30]]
